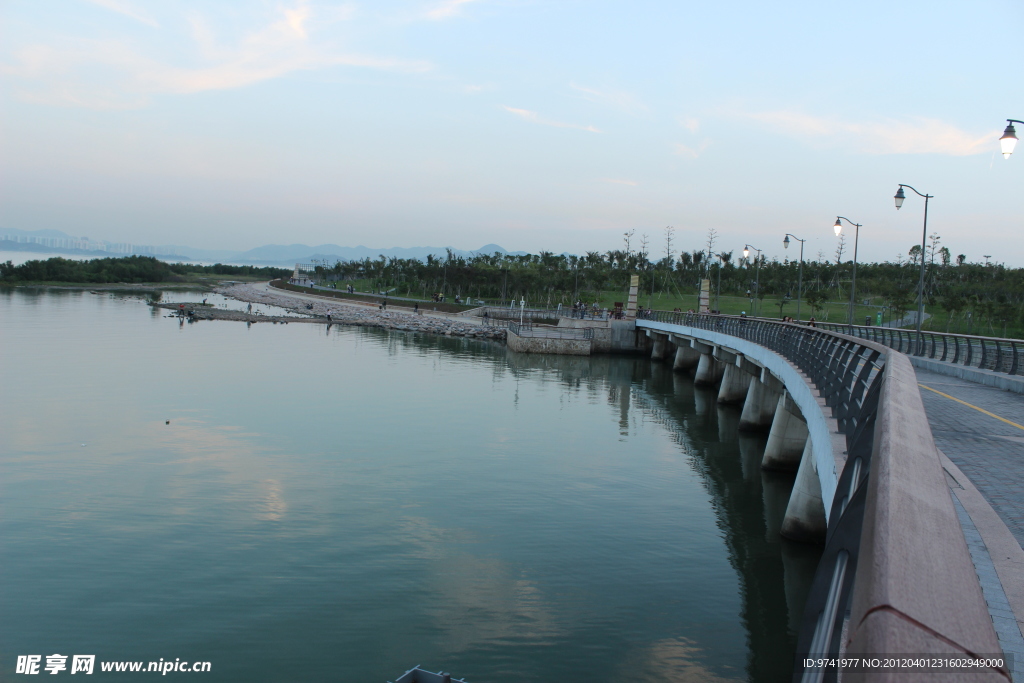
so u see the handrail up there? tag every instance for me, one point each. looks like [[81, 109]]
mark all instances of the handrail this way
[[997, 354], [527, 329], [916, 587]]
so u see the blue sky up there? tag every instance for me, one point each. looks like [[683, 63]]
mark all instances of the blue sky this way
[[531, 124]]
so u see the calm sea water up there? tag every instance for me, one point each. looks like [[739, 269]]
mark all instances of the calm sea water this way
[[343, 505]]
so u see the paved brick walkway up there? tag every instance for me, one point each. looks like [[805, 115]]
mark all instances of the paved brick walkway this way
[[990, 452]]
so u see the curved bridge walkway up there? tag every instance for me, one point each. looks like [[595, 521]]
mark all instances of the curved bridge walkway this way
[[980, 430]]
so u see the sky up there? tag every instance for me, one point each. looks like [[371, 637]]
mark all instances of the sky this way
[[532, 124]]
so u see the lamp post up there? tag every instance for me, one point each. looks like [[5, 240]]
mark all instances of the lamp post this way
[[838, 227], [1009, 139], [522, 310], [800, 282], [718, 290], [757, 281], [899, 197]]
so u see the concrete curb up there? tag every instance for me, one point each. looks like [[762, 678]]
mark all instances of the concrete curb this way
[[1007, 555]]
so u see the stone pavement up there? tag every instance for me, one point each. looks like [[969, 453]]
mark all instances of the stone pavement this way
[[983, 455], [989, 451]]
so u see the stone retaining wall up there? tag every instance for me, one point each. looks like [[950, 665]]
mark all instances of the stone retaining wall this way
[[561, 347]]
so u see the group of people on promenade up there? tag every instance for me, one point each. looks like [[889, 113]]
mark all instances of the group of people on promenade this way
[[580, 310]]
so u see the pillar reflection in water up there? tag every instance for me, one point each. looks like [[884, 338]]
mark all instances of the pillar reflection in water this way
[[775, 574]]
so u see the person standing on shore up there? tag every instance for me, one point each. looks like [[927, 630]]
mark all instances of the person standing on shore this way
[[328, 316], [249, 309]]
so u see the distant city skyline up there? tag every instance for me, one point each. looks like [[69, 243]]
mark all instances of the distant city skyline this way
[[551, 126]]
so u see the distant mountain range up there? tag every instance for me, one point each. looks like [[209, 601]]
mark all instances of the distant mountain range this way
[[56, 242]]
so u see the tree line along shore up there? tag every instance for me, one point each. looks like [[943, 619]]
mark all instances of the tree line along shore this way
[[960, 296]]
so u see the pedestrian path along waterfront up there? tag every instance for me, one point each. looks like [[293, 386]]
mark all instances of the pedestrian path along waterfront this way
[[980, 429]]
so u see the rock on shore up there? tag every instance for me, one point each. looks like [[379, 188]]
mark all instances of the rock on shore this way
[[344, 313]]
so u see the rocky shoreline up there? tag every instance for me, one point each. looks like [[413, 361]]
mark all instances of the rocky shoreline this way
[[344, 313]]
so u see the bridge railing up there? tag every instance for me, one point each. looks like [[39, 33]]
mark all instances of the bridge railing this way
[[896, 576], [988, 353], [844, 370], [544, 313]]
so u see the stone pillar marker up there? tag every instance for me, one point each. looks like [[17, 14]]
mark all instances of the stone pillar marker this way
[[704, 301], [634, 286]]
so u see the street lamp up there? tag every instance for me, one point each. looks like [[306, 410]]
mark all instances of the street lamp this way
[[757, 282], [838, 227], [800, 283], [1009, 139], [924, 237]]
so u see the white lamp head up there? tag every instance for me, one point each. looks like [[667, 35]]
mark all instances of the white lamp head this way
[[899, 198], [746, 252], [1008, 141], [785, 242], [838, 227]]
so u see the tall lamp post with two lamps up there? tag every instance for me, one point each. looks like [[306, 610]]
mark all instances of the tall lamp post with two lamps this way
[[800, 281], [899, 197], [838, 227], [757, 281]]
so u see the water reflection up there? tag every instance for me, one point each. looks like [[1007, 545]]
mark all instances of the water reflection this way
[[390, 498], [775, 574]]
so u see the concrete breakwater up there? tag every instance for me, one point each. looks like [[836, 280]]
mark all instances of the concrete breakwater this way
[[356, 314]]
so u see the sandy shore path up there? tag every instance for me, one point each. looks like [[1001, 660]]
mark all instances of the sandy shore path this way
[[366, 315]]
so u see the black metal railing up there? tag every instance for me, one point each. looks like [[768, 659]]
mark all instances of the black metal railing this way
[[848, 375], [527, 329], [988, 353]]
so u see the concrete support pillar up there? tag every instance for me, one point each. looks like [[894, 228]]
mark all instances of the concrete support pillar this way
[[787, 438], [805, 514], [708, 371], [686, 358], [660, 341], [759, 408], [734, 385]]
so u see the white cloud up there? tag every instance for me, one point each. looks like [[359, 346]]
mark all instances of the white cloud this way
[[614, 98], [687, 151], [67, 75], [533, 117], [125, 8], [887, 136], [690, 124], [446, 8]]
